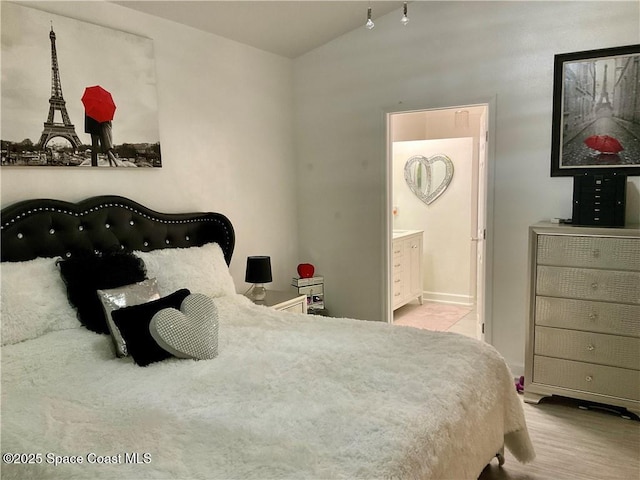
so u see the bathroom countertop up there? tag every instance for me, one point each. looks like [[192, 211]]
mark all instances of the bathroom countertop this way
[[404, 233]]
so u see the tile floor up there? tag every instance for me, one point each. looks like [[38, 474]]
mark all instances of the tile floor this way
[[442, 317]]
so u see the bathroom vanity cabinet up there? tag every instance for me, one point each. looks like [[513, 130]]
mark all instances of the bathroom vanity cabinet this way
[[407, 267]]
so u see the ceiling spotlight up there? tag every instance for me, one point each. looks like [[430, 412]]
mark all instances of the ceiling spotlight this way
[[404, 18], [369, 23]]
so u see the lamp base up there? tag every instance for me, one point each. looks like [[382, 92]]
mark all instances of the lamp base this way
[[258, 292]]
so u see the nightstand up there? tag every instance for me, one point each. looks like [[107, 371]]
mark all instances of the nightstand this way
[[285, 301]]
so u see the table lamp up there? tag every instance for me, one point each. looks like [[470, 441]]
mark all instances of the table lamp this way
[[258, 272]]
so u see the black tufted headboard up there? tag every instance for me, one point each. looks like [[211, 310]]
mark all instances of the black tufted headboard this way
[[52, 228]]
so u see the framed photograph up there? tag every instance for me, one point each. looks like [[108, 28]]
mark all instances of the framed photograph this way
[[75, 94], [596, 112]]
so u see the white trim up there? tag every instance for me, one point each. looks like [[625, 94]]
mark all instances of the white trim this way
[[450, 298]]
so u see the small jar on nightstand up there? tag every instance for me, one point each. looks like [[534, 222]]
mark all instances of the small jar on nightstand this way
[[284, 301]]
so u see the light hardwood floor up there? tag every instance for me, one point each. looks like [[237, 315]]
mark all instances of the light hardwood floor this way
[[574, 444]]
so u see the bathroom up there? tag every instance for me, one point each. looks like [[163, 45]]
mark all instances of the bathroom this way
[[438, 187]]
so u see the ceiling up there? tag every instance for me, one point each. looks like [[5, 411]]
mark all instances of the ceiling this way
[[286, 28]]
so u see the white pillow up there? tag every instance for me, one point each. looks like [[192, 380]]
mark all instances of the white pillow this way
[[33, 300], [200, 269], [126, 296]]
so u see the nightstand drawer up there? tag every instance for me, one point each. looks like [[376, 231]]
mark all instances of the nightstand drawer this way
[[610, 253], [587, 377], [588, 284], [296, 308], [601, 317], [589, 347]]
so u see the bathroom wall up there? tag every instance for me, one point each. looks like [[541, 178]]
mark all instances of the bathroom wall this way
[[446, 222]]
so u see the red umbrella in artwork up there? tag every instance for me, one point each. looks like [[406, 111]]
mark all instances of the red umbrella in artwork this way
[[98, 103], [604, 144]]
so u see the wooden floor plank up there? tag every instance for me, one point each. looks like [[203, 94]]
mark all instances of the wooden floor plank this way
[[574, 444]]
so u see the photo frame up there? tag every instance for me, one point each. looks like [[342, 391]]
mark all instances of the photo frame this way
[[75, 94], [596, 112]]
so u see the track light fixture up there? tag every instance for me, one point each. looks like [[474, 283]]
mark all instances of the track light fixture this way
[[369, 23], [404, 18]]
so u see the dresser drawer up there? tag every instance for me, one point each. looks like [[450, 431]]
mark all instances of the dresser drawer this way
[[587, 377], [610, 253], [588, 284], [589, 347], [601, 317]]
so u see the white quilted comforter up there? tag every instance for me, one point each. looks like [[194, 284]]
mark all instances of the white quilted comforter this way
[[289, 396]]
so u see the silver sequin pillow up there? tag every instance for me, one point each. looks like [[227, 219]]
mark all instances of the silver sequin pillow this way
[[191, 332], [126, 296]]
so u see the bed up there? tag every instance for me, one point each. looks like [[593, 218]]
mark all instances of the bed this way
[[287, 395]]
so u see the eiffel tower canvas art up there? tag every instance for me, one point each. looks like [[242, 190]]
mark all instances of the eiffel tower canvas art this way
[[57, 104], [40, 50], [596, 112]]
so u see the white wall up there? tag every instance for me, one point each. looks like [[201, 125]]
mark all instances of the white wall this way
[[446, 222], [451, 53], [225, 115]]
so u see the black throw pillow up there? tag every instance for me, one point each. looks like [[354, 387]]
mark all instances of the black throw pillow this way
[[133, 323], [85, 272]]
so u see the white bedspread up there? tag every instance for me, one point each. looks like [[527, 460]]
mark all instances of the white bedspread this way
[[289, 396]]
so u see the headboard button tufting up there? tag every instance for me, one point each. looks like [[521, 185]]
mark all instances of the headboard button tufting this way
[[148, 230]]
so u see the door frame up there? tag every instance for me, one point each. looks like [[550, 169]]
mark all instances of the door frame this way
[[387, 313]]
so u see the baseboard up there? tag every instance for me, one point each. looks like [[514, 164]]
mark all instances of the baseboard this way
[[452, 298]]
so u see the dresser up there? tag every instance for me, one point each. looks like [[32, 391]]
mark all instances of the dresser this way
[[406, 267], [583, 336]]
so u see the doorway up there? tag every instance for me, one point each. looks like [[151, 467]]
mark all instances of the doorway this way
[[438, 184]]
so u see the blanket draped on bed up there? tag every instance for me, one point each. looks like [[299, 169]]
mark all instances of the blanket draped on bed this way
[[289, 396]]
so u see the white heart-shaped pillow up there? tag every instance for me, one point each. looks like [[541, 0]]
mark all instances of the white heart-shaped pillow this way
[[191, 332]]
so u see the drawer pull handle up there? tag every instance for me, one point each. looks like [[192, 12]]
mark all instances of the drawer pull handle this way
[[397, 294], [596, 253], [589, 378], [593, 316], [396, 265], [414, 246], [594, 286], [397, 251], [396, 281], [591, 348]]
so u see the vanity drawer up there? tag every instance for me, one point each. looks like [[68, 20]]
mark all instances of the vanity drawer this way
[[601, 317], [587, 377], [588, 284], [611, 253], [589, 347]]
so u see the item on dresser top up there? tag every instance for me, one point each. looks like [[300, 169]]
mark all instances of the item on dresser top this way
[[599, 200], [313, 288], [583, 339], [306, 270], [86, 271]]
